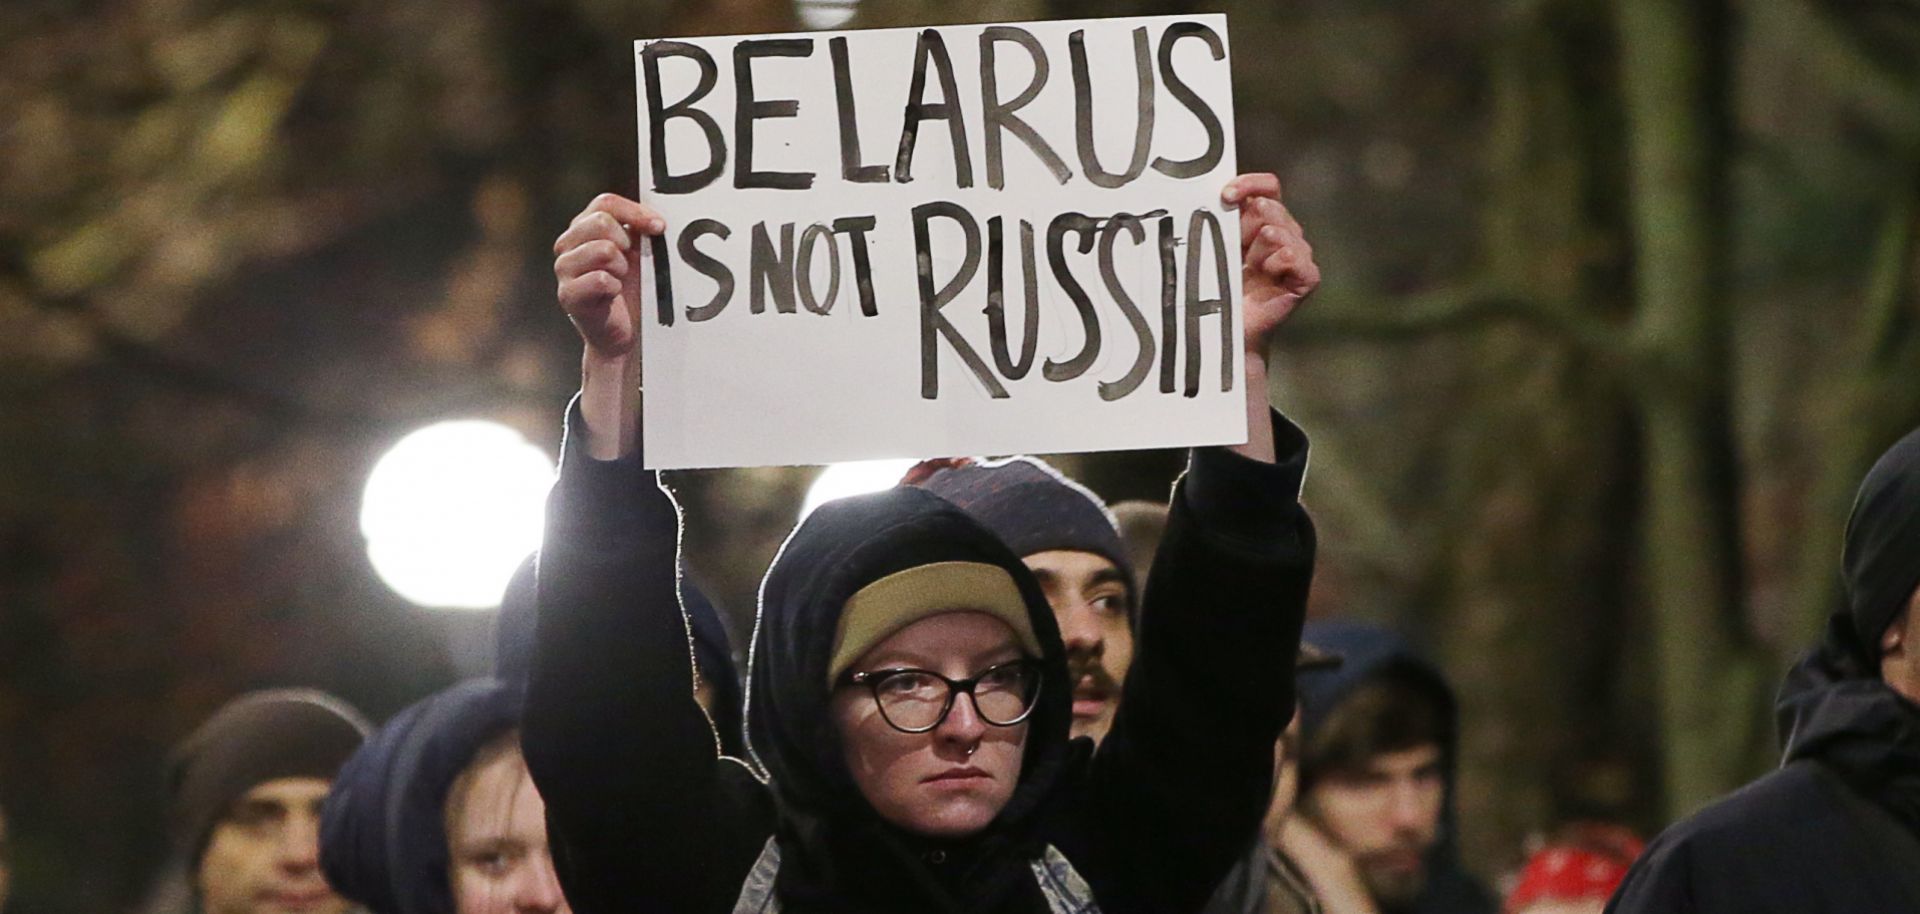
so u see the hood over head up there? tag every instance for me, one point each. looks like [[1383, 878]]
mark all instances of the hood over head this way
[[383, 834], [513, 625], [712, 650], [1833, 710], [1368, 651], [1881, 563], [834, 845], [1834, 707], [1365, 651]]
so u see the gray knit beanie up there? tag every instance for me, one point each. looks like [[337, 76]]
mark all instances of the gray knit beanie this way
[[1033, 507], [258, 737]]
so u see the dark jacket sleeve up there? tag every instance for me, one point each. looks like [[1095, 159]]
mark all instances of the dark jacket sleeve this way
[[645, 815], [1178, 788]]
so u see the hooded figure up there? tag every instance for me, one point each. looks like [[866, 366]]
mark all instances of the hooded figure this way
[[835, 851], [712, 649], [383, 832], [513, 624], [1837, 826], [1370, 655], [649, 816]]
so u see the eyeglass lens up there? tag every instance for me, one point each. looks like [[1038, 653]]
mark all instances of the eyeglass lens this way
[[918, 700]]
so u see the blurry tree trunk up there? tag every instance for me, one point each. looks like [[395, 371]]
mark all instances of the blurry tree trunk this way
[[1530, 469], [1869, 409], [1674, 74]]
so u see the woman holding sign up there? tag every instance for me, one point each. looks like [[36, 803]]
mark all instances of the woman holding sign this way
[[907, 692]]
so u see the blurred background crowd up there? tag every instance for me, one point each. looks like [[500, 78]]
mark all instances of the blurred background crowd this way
[[1620, 302]]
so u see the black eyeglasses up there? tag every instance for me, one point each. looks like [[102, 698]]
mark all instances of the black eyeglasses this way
[[916, 701]]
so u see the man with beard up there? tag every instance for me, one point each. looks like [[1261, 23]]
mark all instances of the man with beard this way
[[1837, 826], [1372, 828]]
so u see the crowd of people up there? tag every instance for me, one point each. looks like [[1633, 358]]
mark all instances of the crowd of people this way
[[985, 690]]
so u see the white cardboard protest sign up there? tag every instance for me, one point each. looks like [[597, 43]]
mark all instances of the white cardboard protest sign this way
[[981, 239]]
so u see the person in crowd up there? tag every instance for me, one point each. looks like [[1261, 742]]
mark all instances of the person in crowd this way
[[1837, 826], [718, 690], [1372, 828], [245, 791], [436, 814], [1575, 872], [1067, 537], [1092, 564], [908, 696], [513, 625]]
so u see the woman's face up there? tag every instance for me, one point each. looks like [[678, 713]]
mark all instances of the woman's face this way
[[497, 839], [950, 781]]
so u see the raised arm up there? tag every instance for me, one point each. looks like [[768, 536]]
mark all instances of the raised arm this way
[[645, 814], [1277, 273], [1179, 785]]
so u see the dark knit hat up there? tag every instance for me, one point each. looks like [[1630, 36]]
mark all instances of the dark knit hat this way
[[1881, 562], [258, 737], [1033, 508]]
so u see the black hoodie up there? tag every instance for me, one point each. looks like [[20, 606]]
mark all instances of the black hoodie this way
[[646, 817], [383, 832], [1837, 827]]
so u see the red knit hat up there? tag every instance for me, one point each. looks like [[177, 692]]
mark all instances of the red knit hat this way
[[1587, 868]]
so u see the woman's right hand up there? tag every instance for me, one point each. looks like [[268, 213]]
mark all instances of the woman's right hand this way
[[597, 263]]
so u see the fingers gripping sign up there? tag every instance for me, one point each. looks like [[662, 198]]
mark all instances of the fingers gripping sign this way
[[1277, 268], [1276, 272], [596, 262]]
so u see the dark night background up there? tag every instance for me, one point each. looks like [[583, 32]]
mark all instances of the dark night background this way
[[1620, 302]]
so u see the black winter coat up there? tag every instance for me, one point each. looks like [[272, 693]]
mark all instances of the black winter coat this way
[[1836, 830], [646, 816]]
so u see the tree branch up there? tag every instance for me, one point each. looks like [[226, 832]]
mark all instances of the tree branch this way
[[1832, 50], [1891, 303], [1465, 309]]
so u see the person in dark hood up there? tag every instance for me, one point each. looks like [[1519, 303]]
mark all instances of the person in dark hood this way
[[513, 625], [719, 688], [1372, 829], [435, 814], [1837, 826], [908, 700]]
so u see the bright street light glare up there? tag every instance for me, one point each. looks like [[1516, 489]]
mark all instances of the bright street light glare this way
[[854, 478], [451, 510], [826, 14]]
